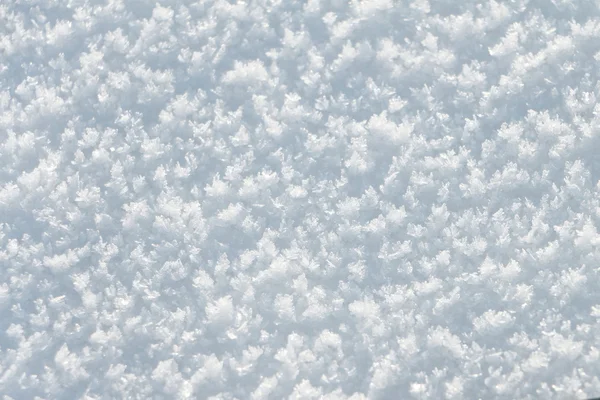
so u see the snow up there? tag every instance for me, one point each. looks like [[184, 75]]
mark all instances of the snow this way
[[304, 200]]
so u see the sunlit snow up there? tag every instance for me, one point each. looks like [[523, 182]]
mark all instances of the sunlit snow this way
[[277, 199]]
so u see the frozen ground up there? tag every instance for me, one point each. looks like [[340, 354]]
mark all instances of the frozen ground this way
[[279, 199]]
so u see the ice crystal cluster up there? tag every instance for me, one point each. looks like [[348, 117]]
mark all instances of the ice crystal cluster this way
[[320, 199]]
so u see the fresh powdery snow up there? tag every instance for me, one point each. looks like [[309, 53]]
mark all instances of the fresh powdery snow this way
[[280, 199]]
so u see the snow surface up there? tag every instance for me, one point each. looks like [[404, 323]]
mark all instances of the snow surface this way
[[277, 199]]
